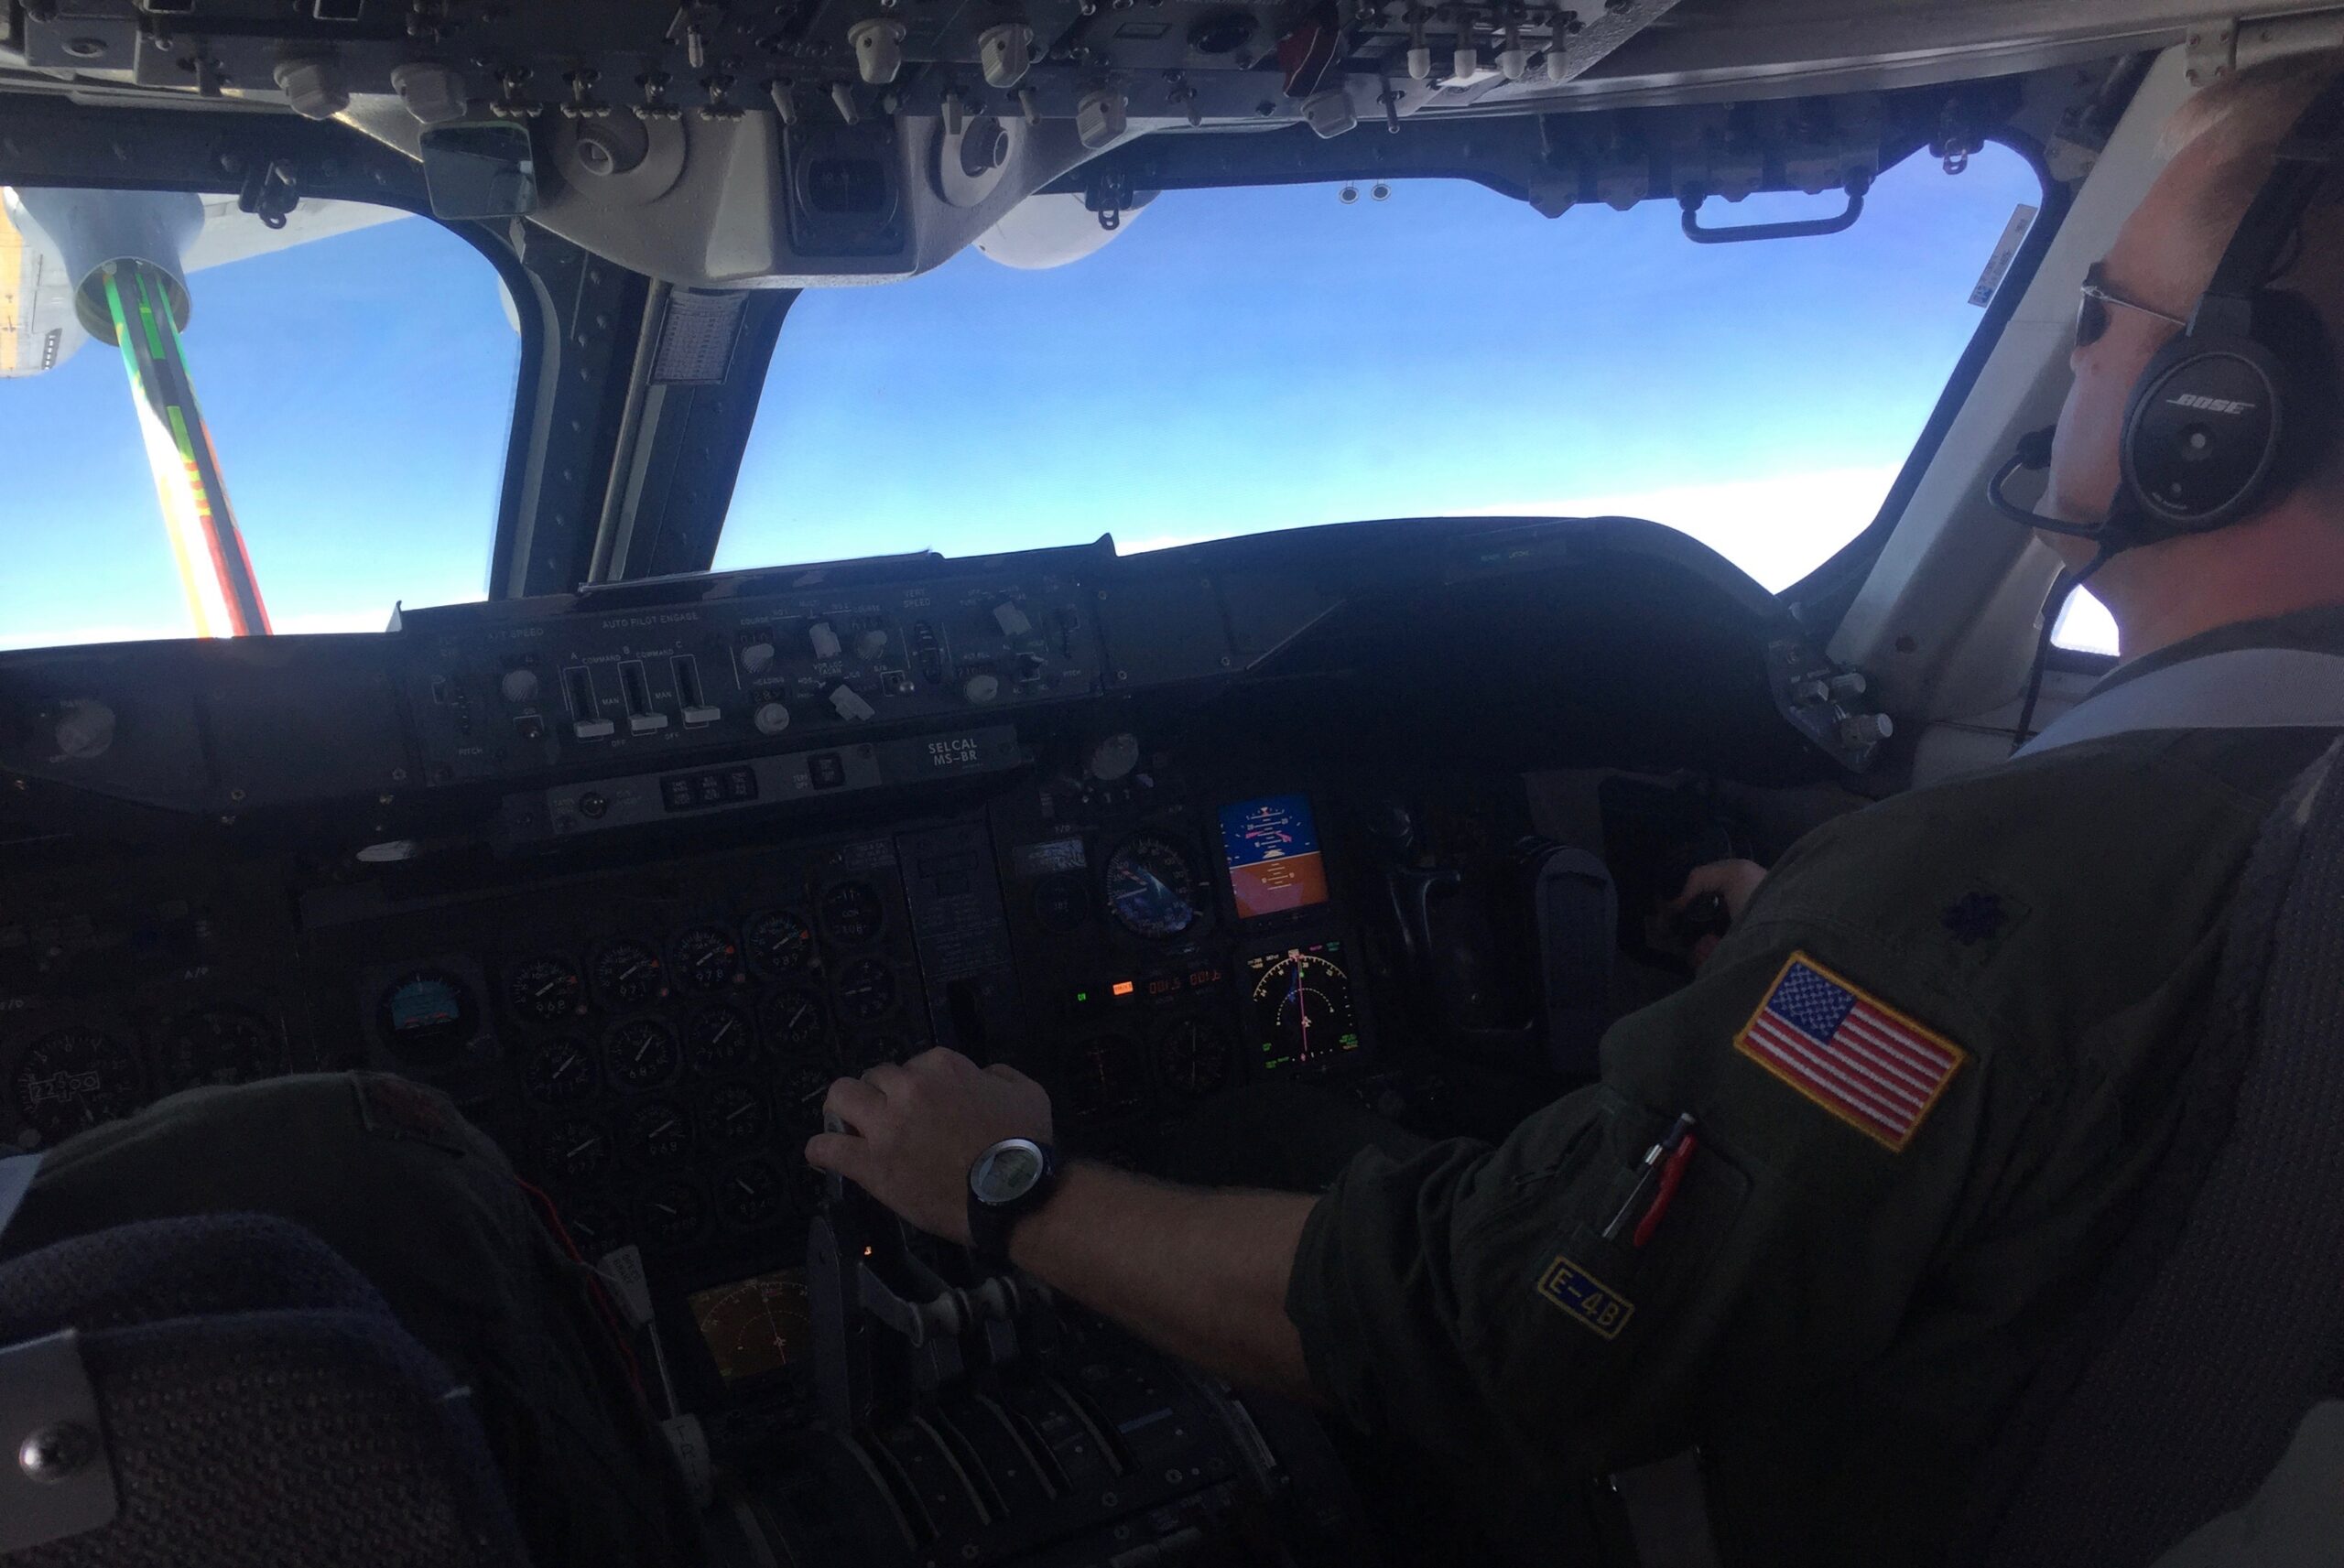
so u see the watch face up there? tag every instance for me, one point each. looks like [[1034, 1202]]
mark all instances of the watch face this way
[[1006, 1172]]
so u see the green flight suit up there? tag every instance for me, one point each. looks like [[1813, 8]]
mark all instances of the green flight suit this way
[[1839, 1305]]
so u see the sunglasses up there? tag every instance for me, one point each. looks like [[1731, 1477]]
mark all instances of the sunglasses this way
[[2091, 310]]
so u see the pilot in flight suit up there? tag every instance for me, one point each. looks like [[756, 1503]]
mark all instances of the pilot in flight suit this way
[[1928, 1072]]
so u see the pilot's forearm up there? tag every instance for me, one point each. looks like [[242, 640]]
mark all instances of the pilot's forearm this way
[[1199, 1274]]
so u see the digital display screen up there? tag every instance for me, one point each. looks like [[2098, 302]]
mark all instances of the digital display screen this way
[[758, 1325], [1270, 846], [425, 1002], [1299, 1007]]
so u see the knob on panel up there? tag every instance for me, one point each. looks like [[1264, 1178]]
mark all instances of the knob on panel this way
[[519, 685], [981, 687], [771, 718], [84, 729], [756, 657]]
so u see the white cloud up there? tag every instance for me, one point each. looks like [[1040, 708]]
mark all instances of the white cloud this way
[[1777, 529]]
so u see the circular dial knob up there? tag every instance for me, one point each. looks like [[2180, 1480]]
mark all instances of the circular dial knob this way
[[772, 718], [84, 729], [870, 645], [519, 685], [756, 657], [981, 687]]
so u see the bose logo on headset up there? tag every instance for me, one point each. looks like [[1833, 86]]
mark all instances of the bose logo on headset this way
[[2210, 405]]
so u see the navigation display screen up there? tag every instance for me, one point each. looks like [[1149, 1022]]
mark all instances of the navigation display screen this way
[[756, 1327], [1272, 849]]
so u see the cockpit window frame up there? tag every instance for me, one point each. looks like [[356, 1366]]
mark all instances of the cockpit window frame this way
[[1820, 600], [88, 146]]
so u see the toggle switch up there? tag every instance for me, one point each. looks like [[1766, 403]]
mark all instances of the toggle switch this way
[[878, 46]]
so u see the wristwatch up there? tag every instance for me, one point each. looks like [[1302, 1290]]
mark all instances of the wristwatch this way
[[1006, 1183]]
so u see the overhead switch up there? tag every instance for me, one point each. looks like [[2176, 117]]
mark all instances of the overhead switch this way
[[1004, 51], [825, 640], [878, 49], [433, 93], [1011, 619], [1099, 118], [314, 87], [1331, 112], [849, 705], [1514, 60]]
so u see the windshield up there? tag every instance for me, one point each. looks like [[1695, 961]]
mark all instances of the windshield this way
[[339, 389], [1236, 360]]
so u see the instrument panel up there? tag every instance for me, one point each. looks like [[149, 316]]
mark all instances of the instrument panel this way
[[650, 1035]]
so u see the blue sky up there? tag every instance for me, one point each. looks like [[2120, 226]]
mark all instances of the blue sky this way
[[1234, 361]]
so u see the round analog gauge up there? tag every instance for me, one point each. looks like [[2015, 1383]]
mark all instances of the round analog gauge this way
[[1302, 1008], [721, 1041], [852, 912], [706, 959], [426, 1015], [733, 1117], [866, 990], [594, 1227], [799, 1093], [560, 1072], [575, 1150], [1193, 1056], [672, 1214], [779, 944], [628, 974], [1103, 1077], [73, 1079], [752, 1193], [223, 1046], [793, 1020], [642, 1054], [1151, 887], [659, 1135], [550, 990]]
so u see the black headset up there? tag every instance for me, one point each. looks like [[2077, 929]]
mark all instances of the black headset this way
[[2235, 411]]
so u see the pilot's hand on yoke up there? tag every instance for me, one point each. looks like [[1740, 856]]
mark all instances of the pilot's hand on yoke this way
[[1720, 888], [914, 1130]]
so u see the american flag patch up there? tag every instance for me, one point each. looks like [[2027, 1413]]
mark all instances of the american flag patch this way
[[1865, 1063]]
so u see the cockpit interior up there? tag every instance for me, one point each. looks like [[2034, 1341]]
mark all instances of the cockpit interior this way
[[683, 801]]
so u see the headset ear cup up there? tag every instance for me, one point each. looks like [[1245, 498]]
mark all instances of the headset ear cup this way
[[2203, 433]]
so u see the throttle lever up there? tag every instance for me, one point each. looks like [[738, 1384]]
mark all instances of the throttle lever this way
[[1705, 916]]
